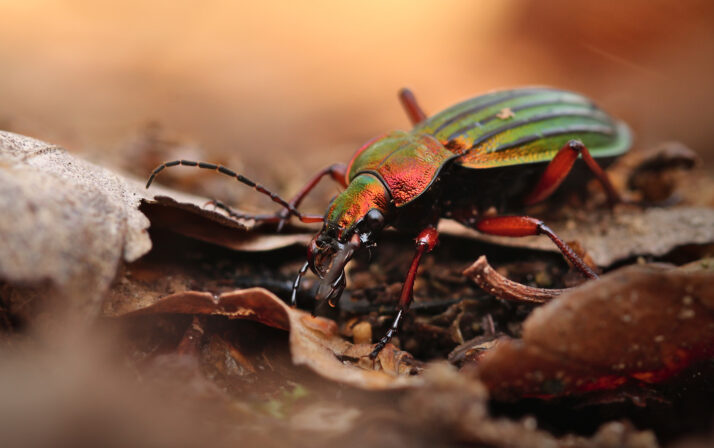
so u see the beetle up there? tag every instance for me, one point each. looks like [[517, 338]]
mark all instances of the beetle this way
[[504, 150]]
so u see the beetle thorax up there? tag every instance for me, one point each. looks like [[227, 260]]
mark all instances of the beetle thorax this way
[[408, 164]]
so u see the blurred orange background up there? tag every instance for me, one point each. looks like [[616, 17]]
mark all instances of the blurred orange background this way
[[283, 87]]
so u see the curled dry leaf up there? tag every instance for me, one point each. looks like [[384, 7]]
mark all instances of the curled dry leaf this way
[[314, 341], [186, 218], [642, 323]]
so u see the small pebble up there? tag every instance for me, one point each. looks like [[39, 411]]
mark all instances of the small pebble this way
[[362, 333], [686, 313]]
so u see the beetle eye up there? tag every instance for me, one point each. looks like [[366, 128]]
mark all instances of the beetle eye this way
[[374, 220]]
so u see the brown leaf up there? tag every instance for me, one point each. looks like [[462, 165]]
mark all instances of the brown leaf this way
[[67, 224], [64, 221], [639, 323], [457, 407], [314, 341], [655, 173], [186, 218]]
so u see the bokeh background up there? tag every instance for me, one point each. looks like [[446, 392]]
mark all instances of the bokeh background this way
[[281, 88]]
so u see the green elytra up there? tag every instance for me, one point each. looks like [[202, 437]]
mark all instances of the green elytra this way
[[499, 129]]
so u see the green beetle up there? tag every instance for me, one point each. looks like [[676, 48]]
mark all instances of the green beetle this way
[[501, 150]]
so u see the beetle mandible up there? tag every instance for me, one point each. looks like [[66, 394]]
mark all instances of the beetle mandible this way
[[505, 149]]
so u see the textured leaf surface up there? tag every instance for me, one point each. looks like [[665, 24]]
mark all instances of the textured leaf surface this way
[[637, 324]]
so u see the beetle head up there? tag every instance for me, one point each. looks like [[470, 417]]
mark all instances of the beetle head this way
[[353, 220]]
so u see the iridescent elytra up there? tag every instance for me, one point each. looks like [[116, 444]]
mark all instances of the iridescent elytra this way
[[502, 150]]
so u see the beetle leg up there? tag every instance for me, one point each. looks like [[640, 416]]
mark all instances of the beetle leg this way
[[517, 226], [240, 178], [265, 218], [425, 243], [558, 169], [338, 172], [411, 107], [296, 284]]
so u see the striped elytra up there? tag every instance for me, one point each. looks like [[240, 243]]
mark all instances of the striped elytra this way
[[526, 125], [499, 129]]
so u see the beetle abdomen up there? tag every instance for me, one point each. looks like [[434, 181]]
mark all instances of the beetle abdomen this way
[[522, 126]]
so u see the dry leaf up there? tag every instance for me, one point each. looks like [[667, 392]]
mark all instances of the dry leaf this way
[[67, 224], [186, 218], [314, 341], [65, 221], [637, 324], [455, 405]]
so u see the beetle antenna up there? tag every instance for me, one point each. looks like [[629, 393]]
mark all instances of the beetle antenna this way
[[240, 178]]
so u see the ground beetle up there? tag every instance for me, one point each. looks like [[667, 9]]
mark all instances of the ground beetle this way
[[504, 149]]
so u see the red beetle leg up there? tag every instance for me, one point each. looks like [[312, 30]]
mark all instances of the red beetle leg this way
[[338, 172], [411, 107], [425, 242], [517, 226], [560, 166]]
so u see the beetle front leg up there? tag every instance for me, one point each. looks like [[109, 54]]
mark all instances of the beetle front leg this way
[[338, 172], [258, 218], [558, 169], [425, 242], [518, 226]]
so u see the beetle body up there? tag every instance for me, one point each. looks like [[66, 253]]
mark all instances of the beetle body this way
[[504, 149], [473, 143]]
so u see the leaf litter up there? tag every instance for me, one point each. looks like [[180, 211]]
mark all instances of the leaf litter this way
[[184, 312]]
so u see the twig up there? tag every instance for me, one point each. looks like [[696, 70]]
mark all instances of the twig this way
[[494, 283]]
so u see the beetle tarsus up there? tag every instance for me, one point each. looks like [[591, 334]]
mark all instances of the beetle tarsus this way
[[388, 336], [567, 251], [296, 284]]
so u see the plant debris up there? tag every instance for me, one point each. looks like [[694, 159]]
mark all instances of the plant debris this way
[[491, 281], [314, 341], [178, 280], [638, 324]]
